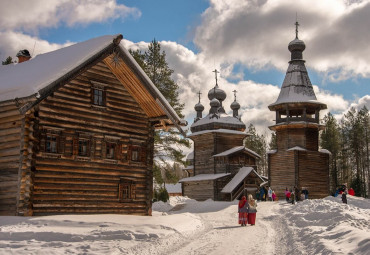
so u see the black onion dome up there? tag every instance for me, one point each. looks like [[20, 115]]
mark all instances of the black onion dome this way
[[199, 107], [215, 103], [235, 106], [296, 45], [217, 93]]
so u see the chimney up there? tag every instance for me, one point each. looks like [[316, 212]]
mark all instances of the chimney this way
[[23, 55]]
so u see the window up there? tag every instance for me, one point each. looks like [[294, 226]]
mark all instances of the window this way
[[110, 150], [127, 190], [98, 96], [51, 143], [83, 147], [135, 155]]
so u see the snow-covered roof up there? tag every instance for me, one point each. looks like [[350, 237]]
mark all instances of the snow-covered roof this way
[[203, 177], [297, 87], [173, 188], [239, 177], [223, 118], [28, 78], [236, 149], [271, 151], [296, 148], [226, 131], [35, 76], [324, 151]]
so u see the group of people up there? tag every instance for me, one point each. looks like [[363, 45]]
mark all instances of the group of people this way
[[295, 194], [247, 210], [342, 190], [263, 193]]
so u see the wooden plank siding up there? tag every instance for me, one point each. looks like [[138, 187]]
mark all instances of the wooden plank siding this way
[[64, 182], [10, 146], [199, 190], [302, 137]]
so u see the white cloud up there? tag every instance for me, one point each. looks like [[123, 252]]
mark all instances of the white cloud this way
[[35, 14], [20, 21], [256, 34]]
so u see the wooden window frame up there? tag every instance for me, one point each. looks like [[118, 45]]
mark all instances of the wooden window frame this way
[[110, 148], [87, 144], [98, 94], [126, 190], [52, 141]]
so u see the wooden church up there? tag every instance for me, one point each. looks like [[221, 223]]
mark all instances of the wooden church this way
[[77, 132], [222, 168], [298, 161]]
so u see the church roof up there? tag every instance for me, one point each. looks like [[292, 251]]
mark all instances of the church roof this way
[[224, 131], [239, 177], [297, 87], [203, 177], [237, 149]]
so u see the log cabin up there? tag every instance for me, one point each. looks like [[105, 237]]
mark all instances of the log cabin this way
[[77, 132], [222, 168], [298, 161]]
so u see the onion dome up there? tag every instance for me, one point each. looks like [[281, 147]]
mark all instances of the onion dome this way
[[215, 103], [296, 44], [217, 93], [235, 106], [199, 107]]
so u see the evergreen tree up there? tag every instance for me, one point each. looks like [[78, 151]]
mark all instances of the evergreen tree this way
[[8, 60], [257, 143], [273, 144], [167, 144], [330, 140]]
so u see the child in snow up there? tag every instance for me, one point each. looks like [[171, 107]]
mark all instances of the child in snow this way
[[243, 211], [292, 197], [273, 196], [252, 210], [270, 194]]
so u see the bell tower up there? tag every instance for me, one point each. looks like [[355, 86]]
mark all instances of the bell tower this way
[[298, 160]]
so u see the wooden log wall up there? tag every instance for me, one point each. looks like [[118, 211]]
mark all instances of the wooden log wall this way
[[281, 171], [201, 190], [209, 144], [10, 147], [203, 151], [314, 173], [303, 137], [64, 182]]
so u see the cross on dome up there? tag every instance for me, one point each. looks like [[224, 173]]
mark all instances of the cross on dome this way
[[234, 94], [215, 71], [199, 95]]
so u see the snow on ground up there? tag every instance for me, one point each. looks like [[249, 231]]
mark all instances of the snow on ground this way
[[185, 226]]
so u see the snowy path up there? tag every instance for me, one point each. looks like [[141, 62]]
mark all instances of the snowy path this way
[[185, 226], [222, 233]]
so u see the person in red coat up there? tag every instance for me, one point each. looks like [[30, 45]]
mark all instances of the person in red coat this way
[[351, 192], [252, 210], [243, 211]]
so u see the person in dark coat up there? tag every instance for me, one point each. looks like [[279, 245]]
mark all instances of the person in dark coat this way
[[297, 194], [262, 193], [344, 196], [243, 211]]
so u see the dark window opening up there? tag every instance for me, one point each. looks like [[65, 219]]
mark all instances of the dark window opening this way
[[110, 150], [83, 147], [51, 143], [98, 96]]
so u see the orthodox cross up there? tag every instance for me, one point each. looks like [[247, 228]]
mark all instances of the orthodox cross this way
[[199, 95], [296, 26], [215, 71], [235, 94]]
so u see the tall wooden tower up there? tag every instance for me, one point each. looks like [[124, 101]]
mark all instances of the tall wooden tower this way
[[298, 160]]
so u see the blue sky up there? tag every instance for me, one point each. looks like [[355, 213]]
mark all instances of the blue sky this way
[[246, 40]]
